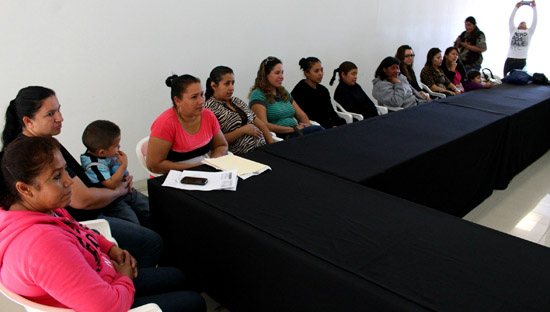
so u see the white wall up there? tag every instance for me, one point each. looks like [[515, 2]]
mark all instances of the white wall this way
[[109, 59]]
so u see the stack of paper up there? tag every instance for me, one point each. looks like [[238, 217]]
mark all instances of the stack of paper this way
[[245, 167], [225, 180]]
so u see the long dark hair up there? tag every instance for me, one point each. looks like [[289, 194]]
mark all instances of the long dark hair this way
[[216, 76], [405, 69], [429, 58], [28, 101], [178, 85], [22, 161], [261, 82], [345, 68], [387, 62]]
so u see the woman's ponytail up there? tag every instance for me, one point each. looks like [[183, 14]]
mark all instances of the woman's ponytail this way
[[209, 90], [336, 71], [12, 127], [27, 103]]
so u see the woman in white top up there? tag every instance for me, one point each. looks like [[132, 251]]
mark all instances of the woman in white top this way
[[520, 39]]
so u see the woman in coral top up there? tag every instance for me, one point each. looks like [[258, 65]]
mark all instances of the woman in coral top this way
[[48, 257], [184, 133]]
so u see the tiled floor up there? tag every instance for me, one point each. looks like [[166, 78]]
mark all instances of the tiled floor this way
[[522, 210]]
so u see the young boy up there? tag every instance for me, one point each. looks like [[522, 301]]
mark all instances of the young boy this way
[[105, 164], [474, 81]]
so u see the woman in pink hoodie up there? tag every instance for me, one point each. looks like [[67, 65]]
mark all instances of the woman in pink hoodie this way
[[48, 257]]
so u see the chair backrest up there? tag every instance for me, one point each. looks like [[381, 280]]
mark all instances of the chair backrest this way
[[339, 108], [29, 305], [141, 152], [32, 306]]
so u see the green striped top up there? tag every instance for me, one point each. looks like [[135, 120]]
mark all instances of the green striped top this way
[[280, 113]]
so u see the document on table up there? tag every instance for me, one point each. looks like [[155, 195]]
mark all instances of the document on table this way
[[245, 167], [224, 180]]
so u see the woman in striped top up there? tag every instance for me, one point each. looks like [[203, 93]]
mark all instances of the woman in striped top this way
[[274, 105], [242, 130]]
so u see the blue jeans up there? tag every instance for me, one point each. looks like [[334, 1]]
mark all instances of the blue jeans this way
[[142, 243], [132, 207], [166, 287], [305, 131]]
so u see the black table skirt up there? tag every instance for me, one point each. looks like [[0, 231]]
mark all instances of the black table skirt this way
[[528, 111], [443, 156], [297, 239]]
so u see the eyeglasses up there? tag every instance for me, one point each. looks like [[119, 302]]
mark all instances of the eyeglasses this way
[[410, 55]]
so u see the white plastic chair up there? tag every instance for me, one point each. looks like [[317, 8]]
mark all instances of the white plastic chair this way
[[430, 92], [347, 116], [32, 306], [390, 108], [141, 152], [100, 225], [275, 137]]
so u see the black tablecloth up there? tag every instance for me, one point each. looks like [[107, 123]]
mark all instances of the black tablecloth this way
[[528, 135], [443, 156], [296, 239]]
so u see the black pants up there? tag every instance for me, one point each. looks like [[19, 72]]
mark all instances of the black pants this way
[[166, 287], [513, 63]]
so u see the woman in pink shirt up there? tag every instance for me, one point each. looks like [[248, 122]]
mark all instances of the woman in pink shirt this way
[[48, 257], [452, 68], [182, 134]]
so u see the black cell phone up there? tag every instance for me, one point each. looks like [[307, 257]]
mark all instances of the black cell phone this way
[[194, 180]]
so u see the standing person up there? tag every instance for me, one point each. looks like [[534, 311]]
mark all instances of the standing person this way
[[432, 75], [520, 39], [392, 89], [274, 105], [313, 97], [452, 68], [471, 43], [349, 93], [405, 55], [50, 258], [241, 128], [184, 133], [36, 112]]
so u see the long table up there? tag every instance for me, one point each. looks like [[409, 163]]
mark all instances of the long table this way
[[297, 239], [312, 235], [447, 157], [440, 156], [528, 111]]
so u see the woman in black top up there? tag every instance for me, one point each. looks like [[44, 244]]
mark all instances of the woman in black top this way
[[314, 98], [350, 94], [405, 55], [452, 68]]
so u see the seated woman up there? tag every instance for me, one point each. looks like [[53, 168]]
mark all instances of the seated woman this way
[[242, 130], [474, 81], [452, 68], [270, 101], [313, 97], [48, 257], [405, 55], [36, 112], [349, 93], [182, 134], [391, 88], [432, 75]]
